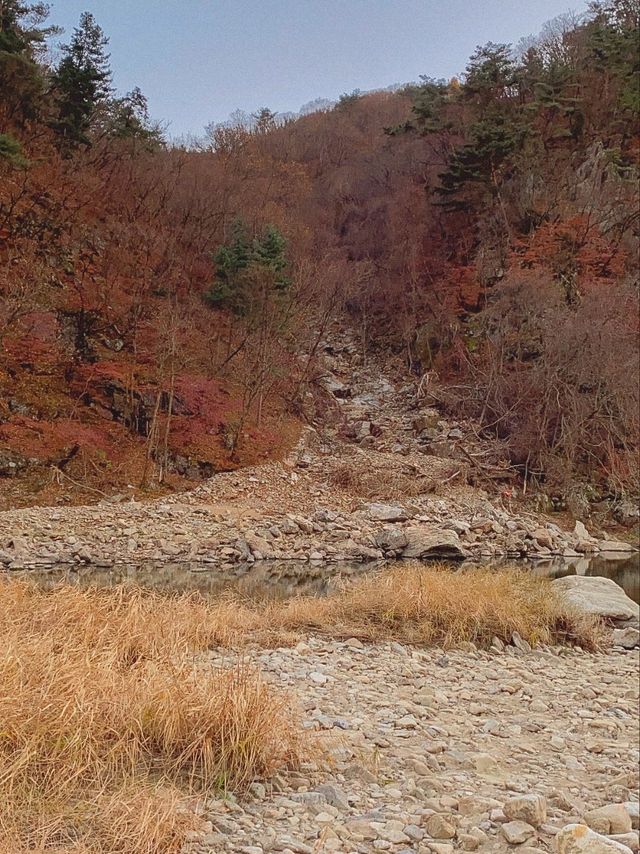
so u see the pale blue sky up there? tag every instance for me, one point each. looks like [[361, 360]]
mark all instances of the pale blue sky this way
[[198, 60]]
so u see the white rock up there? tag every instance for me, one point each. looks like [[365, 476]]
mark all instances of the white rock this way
[[517, 832], [596, 595], [579, 839], [612, 818]]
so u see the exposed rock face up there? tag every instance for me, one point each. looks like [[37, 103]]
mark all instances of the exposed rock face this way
[[425, 542], [392, 539], [615, 546], [628, 638], [599, 596]]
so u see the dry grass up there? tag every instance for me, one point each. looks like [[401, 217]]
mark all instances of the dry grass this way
[[366, 483], [107, 727], [108, 722], [418, 605]]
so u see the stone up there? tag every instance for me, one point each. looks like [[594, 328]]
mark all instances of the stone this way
[[543, 537], [615, 546], [530, 808], [427, 542], [628, 638], [393, 832], [438, 826], [468, 842], [597, 595], [476, 805], [581, 532], [612, 818], [386, 513], [391, 539], [333, 796], [631, 840], [633, 808], [517, 832], [579, 839]]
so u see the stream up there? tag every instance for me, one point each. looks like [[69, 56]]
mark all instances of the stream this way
[[281, 579]]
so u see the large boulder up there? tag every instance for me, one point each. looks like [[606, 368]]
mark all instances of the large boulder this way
[[426, 542], [597, 595], [615, 546], [392, 538]]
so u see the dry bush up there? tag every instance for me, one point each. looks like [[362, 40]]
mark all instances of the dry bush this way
[[108, 727], [416, 604], [363, 481], [557, 380]]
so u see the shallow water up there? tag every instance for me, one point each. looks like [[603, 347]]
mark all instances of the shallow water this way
[[282, 579]]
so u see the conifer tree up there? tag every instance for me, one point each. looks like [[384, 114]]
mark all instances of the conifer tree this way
[[82, 82]]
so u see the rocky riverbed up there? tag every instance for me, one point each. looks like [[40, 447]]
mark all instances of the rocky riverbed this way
[[431, 751]]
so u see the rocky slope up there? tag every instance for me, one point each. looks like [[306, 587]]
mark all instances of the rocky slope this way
[[380, 474]]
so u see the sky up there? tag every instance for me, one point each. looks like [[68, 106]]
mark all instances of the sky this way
[[199, 60]]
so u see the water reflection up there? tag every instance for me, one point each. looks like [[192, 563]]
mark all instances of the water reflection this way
[[282, 579]]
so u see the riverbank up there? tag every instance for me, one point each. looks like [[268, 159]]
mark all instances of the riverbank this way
[[343, 724], [282, 512]]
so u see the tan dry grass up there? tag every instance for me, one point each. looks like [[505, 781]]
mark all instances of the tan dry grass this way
[[107, 726], [415, 604]]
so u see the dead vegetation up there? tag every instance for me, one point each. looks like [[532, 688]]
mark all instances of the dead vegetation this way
[[108, 728], [382, 478]]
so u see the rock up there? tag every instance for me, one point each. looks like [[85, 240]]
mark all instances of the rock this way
[[612, 818], [517, 832], [579, 839], [530, 808], [596, 595], [628, 638], [427, 542], [543, 537], [386, 513], [615, 546], [333, 796], [581, 532], [468, 842], [391, 539], [476, 805], [393, 832], [627, 513], [425, 420], [631, 840], [360, 827], [633, 808], [438, 826]]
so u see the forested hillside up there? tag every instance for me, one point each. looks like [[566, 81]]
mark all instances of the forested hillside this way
[[161, 305]]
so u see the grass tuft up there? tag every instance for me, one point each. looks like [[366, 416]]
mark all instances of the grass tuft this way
[[108, 726]]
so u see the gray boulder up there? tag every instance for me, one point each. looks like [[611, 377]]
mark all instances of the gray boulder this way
[[597, 595], [386, 513], [426, 542], [391, 539]]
